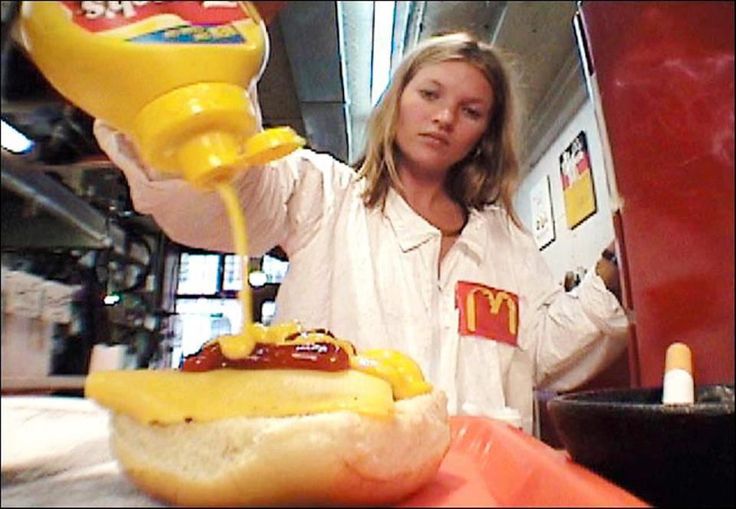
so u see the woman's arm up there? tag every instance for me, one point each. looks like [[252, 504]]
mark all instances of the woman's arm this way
[[567, 332], [282, 201]]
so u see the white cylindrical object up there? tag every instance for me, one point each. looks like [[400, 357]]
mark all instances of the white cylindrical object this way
[[678, 387], [105, 358], [506, 414]]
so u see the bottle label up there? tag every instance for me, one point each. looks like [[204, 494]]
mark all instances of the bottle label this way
[[165, 22]]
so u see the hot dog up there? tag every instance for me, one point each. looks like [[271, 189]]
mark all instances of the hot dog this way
[[282, 417]]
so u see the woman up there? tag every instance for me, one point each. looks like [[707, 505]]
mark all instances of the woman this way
[[420, 250]]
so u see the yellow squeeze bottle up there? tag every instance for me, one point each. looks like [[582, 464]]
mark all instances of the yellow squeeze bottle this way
[[173, 76]]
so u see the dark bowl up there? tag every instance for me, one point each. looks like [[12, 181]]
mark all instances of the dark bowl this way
[[667, 455]]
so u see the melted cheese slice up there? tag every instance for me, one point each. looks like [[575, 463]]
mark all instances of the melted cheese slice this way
[[170, 396]]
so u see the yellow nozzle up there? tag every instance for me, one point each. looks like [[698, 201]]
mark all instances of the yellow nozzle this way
[[197, 131], [271, 144], [209, 158], [206, 132]]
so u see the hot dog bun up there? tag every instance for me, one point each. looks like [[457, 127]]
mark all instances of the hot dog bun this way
[[329, 458]]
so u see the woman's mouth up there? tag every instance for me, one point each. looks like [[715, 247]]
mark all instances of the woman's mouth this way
[[435, 139]]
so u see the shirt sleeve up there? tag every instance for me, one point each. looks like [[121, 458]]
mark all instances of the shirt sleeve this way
[[569, 336], [283, 202]]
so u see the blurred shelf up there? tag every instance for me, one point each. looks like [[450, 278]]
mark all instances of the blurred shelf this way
[[41, 383]]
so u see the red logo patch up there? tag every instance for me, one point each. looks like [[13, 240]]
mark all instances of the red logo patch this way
[[487, 312]]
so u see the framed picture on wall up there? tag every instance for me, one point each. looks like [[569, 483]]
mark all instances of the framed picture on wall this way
[[543, 223], [577, 181]]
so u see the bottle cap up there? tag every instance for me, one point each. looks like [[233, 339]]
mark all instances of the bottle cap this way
[[271, 144], [197, 131], [208, 158]]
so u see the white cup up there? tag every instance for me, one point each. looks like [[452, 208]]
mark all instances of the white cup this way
[[106, 358], [506, 414]]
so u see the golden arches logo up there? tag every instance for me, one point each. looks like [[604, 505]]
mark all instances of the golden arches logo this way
[[494, 303]]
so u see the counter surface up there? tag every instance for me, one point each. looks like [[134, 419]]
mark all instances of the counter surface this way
[[55, 453]]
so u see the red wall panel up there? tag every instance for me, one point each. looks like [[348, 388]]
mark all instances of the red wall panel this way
[[665, 75]]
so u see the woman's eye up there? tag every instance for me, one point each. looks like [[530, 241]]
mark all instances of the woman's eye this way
[[428, 94], [473, 113]]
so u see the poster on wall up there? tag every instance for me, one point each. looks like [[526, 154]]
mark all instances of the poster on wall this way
[[543, 224], [577, 182]]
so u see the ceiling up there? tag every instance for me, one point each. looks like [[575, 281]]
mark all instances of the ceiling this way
[[305, 85]]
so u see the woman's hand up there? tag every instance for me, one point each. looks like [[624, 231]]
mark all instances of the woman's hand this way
[[121, 151], [607, 269]]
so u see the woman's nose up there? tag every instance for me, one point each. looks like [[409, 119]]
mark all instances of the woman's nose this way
[[444, 117]]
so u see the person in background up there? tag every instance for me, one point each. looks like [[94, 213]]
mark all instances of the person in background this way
[[573, 277], [571, 280], [420, 249], [607, 268]]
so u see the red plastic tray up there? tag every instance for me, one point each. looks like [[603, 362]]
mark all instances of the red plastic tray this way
[[491, 464]]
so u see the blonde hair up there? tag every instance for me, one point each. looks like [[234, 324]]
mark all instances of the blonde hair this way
[[489, 173]]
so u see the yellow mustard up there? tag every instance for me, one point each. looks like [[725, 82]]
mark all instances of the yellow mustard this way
[[172, 75], [399, 370]]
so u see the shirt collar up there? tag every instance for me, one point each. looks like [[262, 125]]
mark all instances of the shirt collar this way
[[412, 230], [475, 234]]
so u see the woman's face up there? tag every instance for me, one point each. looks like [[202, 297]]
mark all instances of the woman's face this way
[[443, 112]]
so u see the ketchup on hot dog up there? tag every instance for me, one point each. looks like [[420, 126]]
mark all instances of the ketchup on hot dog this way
[[319, 356]]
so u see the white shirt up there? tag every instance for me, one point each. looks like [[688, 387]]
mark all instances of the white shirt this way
[[371, 276]]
